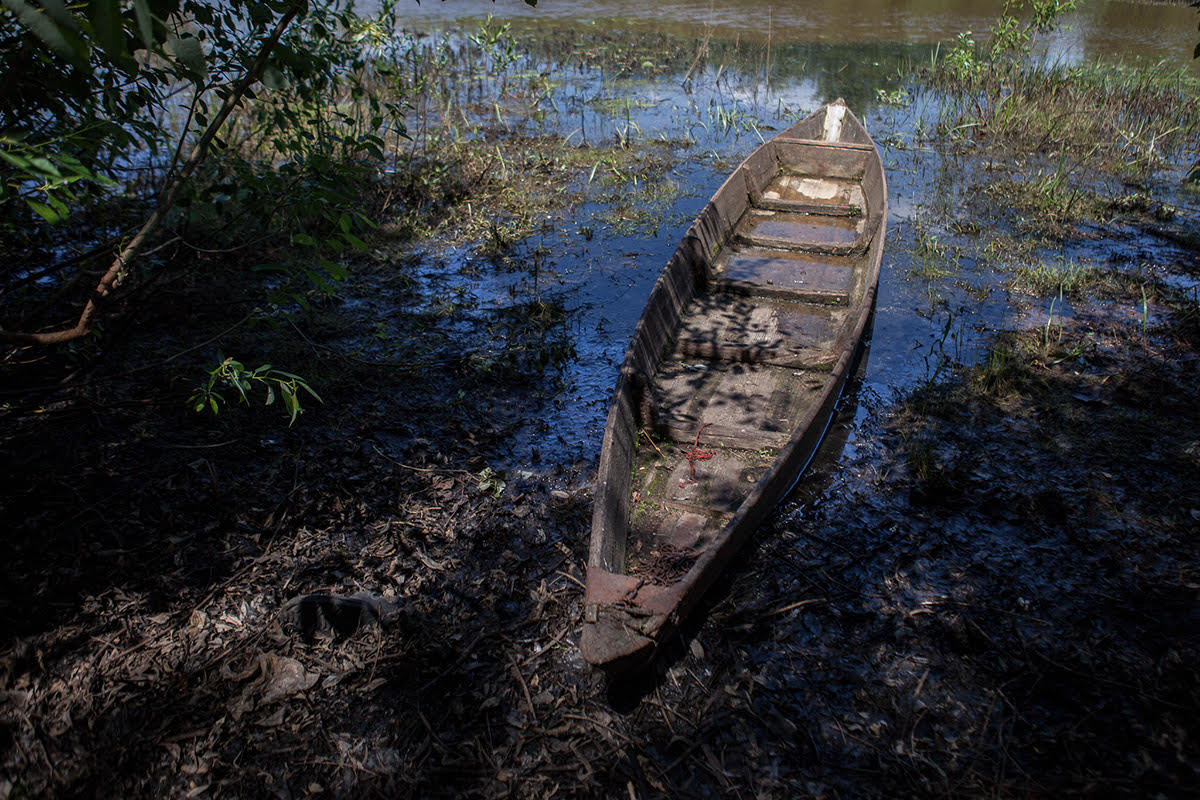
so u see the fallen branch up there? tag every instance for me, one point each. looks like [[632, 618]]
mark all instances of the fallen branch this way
[[652, 444]]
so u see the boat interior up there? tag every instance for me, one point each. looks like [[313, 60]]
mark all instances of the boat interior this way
[[756, 307]]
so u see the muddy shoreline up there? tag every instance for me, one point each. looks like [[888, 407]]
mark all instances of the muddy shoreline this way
[[989, 584], [997, 593]]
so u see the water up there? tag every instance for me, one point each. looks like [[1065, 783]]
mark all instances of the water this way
[[1099, 29], [708, 118]]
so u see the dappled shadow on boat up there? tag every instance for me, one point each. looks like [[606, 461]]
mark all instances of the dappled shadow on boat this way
[[626, 692]]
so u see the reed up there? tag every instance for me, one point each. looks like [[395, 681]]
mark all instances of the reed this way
[[1045, 278], [1048, 203], [1134, 117]]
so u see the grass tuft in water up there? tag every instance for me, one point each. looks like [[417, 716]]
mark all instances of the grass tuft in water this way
[[1134, 117]]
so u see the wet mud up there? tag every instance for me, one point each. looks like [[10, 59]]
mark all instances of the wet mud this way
[[988, 584]]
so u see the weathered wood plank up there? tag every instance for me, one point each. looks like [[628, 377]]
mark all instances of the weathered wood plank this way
[[756, 330], [788, 275], [749, 405]]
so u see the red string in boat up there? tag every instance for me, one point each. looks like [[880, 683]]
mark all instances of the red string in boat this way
[[696, 454]]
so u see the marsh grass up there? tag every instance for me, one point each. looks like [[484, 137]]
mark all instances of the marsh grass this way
[[509, 129], [1129, 116], [1003, 246], [933, 258], [638, 203], [1072, 280], [499, 191], [1045, 278], [1050, 202], [1132, 117], [1015, 366]]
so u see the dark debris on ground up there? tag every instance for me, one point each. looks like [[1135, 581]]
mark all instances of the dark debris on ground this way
[[997, 596]]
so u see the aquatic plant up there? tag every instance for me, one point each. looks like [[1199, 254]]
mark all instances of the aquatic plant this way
[[934, 258], [1045, 278], [1048, 203], [1136, 115]]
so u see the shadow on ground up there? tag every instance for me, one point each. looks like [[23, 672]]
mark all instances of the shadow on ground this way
[[997, 594]]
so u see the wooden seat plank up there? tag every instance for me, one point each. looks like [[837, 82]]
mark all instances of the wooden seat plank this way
[[801, 230], [750, 406], [731, 328], [805, 277], [787, 188]]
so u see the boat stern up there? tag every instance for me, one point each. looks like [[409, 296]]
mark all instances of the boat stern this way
[[623, 619], [611, 640]]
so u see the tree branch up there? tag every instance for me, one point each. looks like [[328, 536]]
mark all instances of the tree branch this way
[[117, 271]]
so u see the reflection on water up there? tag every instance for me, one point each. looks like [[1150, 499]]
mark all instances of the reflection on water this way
[[1108, 29]]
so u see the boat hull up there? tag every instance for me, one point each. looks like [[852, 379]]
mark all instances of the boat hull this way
[[745, 345]]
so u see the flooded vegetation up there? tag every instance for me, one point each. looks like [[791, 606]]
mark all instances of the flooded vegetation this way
[[987, 584]]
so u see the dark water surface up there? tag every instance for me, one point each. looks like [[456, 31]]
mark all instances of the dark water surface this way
[[708, 118]]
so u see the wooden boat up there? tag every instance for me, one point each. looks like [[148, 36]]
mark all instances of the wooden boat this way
[[730, 381]]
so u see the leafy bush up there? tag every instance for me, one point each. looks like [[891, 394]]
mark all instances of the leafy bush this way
[[125, 99]]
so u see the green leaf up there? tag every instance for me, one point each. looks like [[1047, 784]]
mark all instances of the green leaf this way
[[145, 22], [273, 78], [45, 211], [57, 11], [105, 16], [20, 162], [190, 54], [45, 166], [41, 26], [290, 403], [75, 168], [259, 14]]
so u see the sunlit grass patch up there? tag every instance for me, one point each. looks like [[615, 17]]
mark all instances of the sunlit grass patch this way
[[1044, 279], [1048, 204], [1130, 117]]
